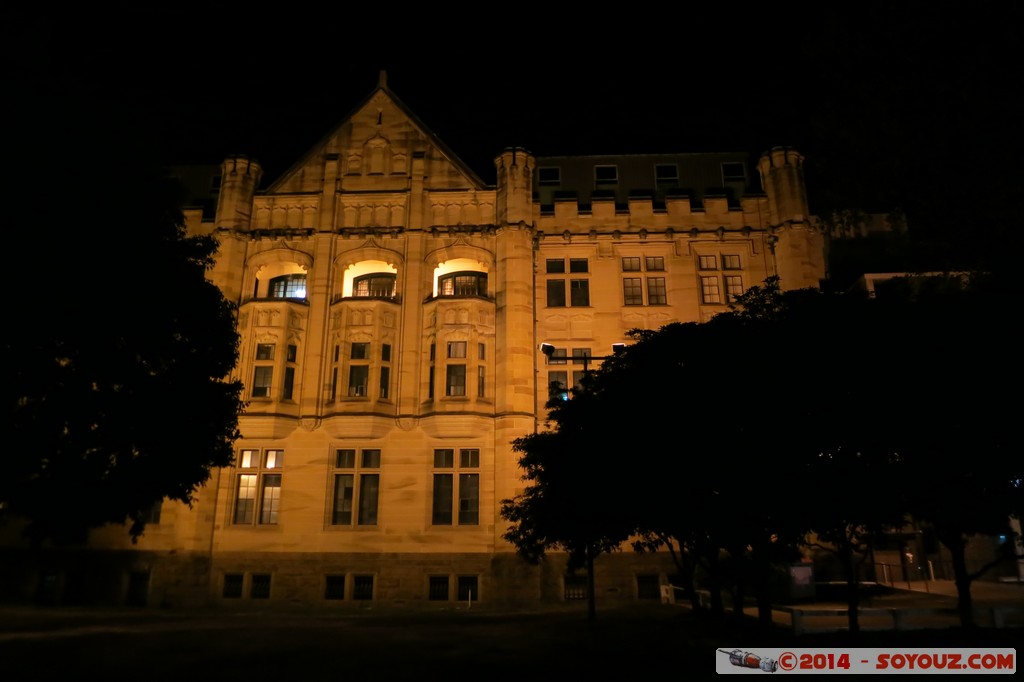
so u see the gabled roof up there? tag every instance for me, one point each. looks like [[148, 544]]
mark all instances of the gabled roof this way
[[429, 135]]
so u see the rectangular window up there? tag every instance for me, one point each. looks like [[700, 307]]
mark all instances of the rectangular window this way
[[468, 590], [334, 587], [358, 379], [385, 352], [233, 585], [438, 588], [631, 264], [364, 500], [481, 351], [557, 357], [430, 382], [554, 265], [655, 263], [289, 383], [632, 291], [606, 175], [258, 494], [733, 171], [265, 351], [733, 286], [709, 290], [666, 173], [362, 587], [385, 382], [730, 262], [360, 351], [579, 356], [556, 293], [558, 385], [579, 292], [455, 381], [578, 265], [656, 291], [549, 175], [481, 381], [261, 380], [260, 587], [334, 383], [448, 503], [707, 262], [456, 349], [293, 352]]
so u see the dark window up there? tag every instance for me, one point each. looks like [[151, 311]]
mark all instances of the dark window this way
[[456, 380], [260, 588], [733, 171], [578, 265], [438, 590], [456, 349], [385, 352], [579, 292], [666, 173], [555, 265], [261, 379], [556, 293], [265, 351], [466, 500], [606, 175], [289, 383], [655, 262], [468, 590], [346, 498], [630, 264], [557, 357], [233, 585], [334, 587], [362, 587], [648, 587], [358, 379], [360, 351], [549, 175], [385, 382], [292, 352], [558, 386]]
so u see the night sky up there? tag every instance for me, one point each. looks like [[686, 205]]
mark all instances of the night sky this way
[[920, 81]]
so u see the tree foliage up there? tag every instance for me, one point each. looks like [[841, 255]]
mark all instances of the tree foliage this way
[[116, 387]]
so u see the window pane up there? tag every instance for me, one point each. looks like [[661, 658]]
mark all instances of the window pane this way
[[385, 352], [288, 286], [730, 262], [260, 588], [245, 498], [709, 290], [358, 378], [369, 485], [656, 291], [438, 590], [289, 383], [557, 357], [481, 381], [442, 501], [467, 587], [469, 458], [362, 587], [342, 499], [271, 498], [261, 379], [549, 175], [292, 352], [335, 587], [371, 459], [456, 349], [580, 289], [578, 265], [360, 351], [345, 459], [556, 293], [469, 499], [274, 459], [733, 286], [444, 458], [655, 263], [631, 264], [265, 351], [249, 458], [632, 292], [558, 385], [456, 380], [554, 265], [385, 381], [707, 263], [578, 355]]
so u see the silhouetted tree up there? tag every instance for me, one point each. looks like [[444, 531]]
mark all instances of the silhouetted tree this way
[[116, 389]]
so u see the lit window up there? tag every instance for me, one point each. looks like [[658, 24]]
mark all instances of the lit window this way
[[630, 264], [456, 349], [258, 491], [463, 284], [656, 291], [456, 493], [709, 290], [261, 381], [708, 262], [288, 286], [377, 285], [730, 262], [733, 286], [356, 488], [455, 384], [358, 380], [632, 291], [656, 263]]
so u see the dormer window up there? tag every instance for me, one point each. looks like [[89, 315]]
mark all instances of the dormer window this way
[[462, 284], [288, 286]]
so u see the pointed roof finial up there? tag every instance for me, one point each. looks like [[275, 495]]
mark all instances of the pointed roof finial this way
[[383, 81]]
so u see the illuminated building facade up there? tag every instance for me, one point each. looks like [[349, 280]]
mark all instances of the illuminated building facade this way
[[391, 309]]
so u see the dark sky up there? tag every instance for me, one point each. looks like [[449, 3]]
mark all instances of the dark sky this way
[[833, 79]]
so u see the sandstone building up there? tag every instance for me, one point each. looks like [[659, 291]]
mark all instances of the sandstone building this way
[[391, 308]]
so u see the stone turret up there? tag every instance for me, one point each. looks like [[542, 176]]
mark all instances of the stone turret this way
[[797, 246], [240, 176], [515, 186]]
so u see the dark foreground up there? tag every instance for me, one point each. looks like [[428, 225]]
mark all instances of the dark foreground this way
[[645, 640]]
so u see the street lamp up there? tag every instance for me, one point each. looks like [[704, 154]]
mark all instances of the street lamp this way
[[549, 351]]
